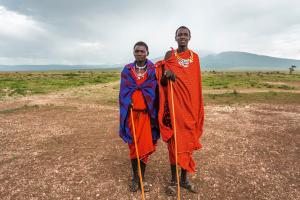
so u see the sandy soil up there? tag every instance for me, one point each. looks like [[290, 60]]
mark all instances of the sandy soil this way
[[66, 146]]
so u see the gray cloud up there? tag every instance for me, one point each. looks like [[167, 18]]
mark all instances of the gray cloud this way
[[77, 31]]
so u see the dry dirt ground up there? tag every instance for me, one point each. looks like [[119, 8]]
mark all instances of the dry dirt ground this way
[[65, 145]]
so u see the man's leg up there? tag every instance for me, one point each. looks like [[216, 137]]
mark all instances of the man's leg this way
[[135, 177], [183, 179], [173, 173], [143, 169], [184, 182], [135, 184]]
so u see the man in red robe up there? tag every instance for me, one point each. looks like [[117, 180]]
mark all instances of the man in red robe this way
[[138, 101], [182, 67]]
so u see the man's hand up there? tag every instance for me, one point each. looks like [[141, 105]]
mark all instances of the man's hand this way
[[130, 106], [170, 75]]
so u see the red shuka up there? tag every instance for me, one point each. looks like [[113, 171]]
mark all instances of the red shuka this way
[[188, 106], [141, 123]]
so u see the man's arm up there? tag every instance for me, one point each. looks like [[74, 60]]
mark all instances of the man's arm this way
[[167, 74], [168, 55]]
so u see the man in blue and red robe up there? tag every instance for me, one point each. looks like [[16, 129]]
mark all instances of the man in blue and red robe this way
[[139, 94]]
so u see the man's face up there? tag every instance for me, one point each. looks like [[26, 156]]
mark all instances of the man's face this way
[[183, 37], [140, 53]]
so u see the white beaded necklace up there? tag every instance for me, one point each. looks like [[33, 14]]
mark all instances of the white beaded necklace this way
[[138, 67], [140, 75]]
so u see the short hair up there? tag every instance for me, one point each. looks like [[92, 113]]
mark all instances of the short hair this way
[[182, 27], [141, 43]]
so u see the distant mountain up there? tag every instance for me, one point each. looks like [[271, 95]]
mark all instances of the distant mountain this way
[[234, 60], [224, 61]]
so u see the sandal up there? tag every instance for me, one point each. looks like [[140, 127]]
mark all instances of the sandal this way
[[134, 186], [172, 189], [146, 187], [187, 185]]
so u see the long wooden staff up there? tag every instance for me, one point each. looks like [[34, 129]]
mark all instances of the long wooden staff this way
[[175, 140], [137, 155]]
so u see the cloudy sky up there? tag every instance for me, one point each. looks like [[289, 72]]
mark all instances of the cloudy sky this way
[[103, 32]]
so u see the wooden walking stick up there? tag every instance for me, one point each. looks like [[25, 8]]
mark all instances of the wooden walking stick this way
[[137, 154], [175, 140]]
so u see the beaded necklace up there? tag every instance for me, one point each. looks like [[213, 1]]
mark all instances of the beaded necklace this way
[[184, 62], [138, 74]]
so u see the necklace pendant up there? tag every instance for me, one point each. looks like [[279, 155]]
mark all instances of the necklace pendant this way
[[184, 62]]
